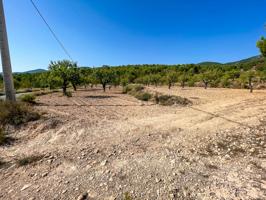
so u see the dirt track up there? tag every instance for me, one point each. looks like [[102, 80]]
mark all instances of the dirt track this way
[[109, 143]]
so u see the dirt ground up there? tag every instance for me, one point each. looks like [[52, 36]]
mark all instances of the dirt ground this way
[[110, 145]]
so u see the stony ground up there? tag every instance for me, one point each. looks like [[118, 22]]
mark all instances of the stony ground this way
[[112, 146]]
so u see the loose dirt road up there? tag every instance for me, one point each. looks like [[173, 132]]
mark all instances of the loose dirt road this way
[[109, 144]]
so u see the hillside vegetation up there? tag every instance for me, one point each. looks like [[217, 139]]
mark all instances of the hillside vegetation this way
[[249, 73]]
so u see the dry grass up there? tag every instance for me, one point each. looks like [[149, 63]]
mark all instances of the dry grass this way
[[16, 113], [29, 160], [4, 139]]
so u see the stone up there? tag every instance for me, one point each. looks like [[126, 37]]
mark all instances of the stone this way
[[103, 163], [83, 196], [25, 187]]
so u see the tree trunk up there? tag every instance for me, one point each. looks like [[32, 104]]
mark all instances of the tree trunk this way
[[104, 87], [183, 84], [64, 87], [250, 85], [74, 86], [205, 84], [169, 86], [6, 63]]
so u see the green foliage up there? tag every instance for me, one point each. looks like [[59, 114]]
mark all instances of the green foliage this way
[[3, 138], [29, 160], [168, 100], [143, 96], [137, 92], [104, 75], [132, 88], [65, 72], [15, 113], [261, 44], [28, 98], [68, 94], [127, 196]]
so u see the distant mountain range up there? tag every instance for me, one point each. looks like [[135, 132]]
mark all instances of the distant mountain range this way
[[207, 63], [35, 71], [247, 60]]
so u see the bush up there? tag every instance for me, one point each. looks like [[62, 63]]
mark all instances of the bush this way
[[68, 94], [143, 96], [4, 139], [28, 98], [15, 113], [168, 100], [132, 88], [29, 160]]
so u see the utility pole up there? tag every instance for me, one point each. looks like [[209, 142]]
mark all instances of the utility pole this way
[[6, 63]]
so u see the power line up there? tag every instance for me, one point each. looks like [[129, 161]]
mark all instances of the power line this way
[[51, 30]]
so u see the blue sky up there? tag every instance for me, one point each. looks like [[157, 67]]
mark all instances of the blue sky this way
[[115, 32]]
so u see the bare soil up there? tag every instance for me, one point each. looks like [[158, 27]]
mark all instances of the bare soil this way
[[105, 145]]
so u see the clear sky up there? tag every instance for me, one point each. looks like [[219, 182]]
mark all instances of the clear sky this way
[[115, 32]]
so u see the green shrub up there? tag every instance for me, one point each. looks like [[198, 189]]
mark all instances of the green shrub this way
[[132, 88], [143, 96], [68, 94], [15, 113], [168, 100], [28, 98], [29, 160]]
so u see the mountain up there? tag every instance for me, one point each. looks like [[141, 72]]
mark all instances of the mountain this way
[[35, 71], [209, 63], [253, 59], [247, 60]]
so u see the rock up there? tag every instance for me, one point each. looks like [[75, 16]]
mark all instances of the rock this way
[[103, 163], [227, 157], [45, 174], [25, 187], [64, 191], [158, 180], [83, 196]]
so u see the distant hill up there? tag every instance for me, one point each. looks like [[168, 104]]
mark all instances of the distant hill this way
[[244, 61], [35, 71], [247, 60], [209, 63]]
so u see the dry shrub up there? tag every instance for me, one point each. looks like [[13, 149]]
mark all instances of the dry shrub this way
[[15, 113], [168, 100], [28, 98], [4, 138], [29, 160]]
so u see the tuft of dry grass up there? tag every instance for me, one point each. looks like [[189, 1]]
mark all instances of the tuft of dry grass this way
[[16, 113], [168, 100], [4, 139], [28, 160]]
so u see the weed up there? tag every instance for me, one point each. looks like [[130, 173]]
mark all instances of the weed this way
[[143, 96], [4, 139], [68, 94], [127, 196], [28, 160], [28, 98], [168, 100], [15, 113]]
